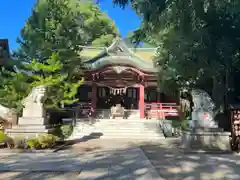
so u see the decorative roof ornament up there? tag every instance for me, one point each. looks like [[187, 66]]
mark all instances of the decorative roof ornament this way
[[119, 69], [118, 48]]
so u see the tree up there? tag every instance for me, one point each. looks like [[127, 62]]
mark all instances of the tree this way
[[64, 26], [51, 43], [62, 86], [13, 88], [196, 40]]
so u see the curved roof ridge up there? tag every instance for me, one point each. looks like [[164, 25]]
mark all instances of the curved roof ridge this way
[[123, 44]]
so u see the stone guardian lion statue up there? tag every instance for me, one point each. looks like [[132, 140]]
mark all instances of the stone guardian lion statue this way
[[37, 95], [34, 102]]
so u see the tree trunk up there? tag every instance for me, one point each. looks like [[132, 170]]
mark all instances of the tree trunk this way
[[226, 100], [218, 92]]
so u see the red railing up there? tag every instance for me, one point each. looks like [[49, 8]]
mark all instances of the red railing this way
[[162, 109], [157, 109]]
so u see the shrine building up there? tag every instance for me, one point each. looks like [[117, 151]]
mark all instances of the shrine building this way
[[119, 74]]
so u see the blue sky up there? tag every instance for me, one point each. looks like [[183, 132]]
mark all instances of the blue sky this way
[[14, 13]]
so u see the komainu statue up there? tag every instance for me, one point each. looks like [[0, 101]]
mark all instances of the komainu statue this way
[[37, 95], [34, 102]]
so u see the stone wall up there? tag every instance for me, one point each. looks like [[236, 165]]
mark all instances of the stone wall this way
[[206, 140]]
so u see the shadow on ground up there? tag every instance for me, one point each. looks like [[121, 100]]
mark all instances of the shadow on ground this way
[[129, 163], [117, 164], [172, 163], [68, 144]]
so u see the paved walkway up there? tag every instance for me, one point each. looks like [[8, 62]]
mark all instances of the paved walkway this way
[[174, 164], [120, 164], [118, 160]]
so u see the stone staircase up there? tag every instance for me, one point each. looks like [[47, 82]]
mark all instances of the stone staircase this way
[[120, 129]]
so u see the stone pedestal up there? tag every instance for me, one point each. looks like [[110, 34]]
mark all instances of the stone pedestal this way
[[40, 121], [29, 126], [206, 139]]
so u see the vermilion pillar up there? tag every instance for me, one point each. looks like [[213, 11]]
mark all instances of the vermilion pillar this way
[[141, 101], [94, 96]]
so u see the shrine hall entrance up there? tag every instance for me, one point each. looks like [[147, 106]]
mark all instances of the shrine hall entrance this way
[[108, 97]]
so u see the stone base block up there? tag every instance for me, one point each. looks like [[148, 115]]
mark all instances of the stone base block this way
[[206, 140], [32, 121], [28, 130]]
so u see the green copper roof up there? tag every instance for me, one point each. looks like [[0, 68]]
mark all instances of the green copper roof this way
[[119, 54]]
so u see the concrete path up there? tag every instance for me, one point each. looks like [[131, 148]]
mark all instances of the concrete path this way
[[174, 164], [120, 164]]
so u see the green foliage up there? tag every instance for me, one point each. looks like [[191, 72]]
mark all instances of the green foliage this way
[[42, 141], [66, 130], [13, 88], [63, 25], [185, 124], [47, 141], [197, 40], [62, 86], [50, 44], [33, 143], [63, 131], [3, 137]]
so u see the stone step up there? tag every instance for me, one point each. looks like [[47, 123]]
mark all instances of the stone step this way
[[118, 136], [120, 129], [121, 132], [133, 137], [129, 130], [31, 127], [126, 125], [127, 120], [27, 131], [142, 133]]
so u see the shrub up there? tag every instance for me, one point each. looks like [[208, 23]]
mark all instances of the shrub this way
[[63, 131], [58, 132], [176, 123], [42, 141], [47, 141], [33, 143], [185, 124], [3, 137], [66, 130]]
